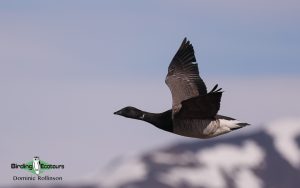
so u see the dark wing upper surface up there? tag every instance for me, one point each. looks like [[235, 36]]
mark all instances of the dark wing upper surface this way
[[183, 75], [201, 107]]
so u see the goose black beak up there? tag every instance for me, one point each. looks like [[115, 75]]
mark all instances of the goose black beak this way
[[117, 112]]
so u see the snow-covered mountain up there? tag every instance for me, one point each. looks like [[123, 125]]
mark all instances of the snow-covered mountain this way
[[269, 157]]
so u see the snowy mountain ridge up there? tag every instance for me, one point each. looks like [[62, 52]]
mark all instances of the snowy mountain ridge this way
[[269, 157]]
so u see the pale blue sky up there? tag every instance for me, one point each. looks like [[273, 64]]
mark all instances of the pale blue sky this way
[[88, 39], [65, 66]]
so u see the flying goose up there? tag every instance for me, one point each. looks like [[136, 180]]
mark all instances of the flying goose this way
[[194, 110]]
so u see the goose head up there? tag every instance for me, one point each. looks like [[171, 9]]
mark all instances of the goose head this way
[[130, 112]]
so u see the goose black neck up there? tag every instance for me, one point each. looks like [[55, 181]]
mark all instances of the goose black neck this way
[[159, 120]]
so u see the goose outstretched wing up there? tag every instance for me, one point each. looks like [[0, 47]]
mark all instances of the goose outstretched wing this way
[[201, 107], [183, 76]]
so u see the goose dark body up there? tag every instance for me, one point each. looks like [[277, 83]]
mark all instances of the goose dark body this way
[[194, 110]]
